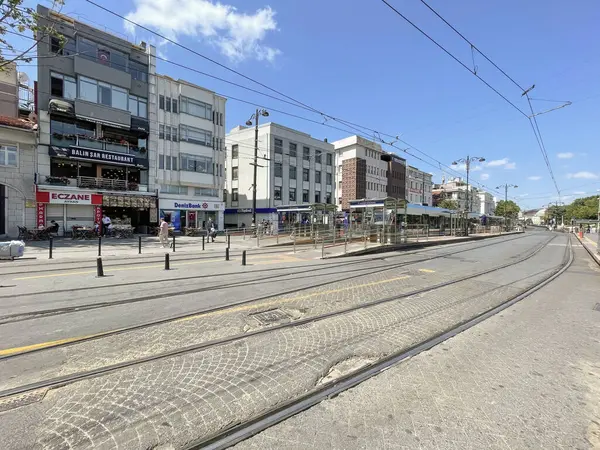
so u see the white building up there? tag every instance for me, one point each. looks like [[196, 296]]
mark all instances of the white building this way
[[487, 204], [360, 170], [418, 186], [457, 190], [293, 169], [189, 122]]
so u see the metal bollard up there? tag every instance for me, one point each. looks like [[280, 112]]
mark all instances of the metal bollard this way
[[345, 244], [203, 237], [244, 258], [228, 241], [167, 262], [100, 246], [99, 268], [173, 242], [322, 248], [50, 248], [227, 254], [139, 245]]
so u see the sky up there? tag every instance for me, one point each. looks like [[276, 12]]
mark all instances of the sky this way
[[360, 62]]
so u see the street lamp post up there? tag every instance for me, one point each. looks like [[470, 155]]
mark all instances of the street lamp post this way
[[255, 116], [467, 162], [506, 186]]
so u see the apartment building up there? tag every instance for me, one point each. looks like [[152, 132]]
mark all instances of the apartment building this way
[[293, 169], [457, 190], [487, 203], [361, 170], [93, 156], [189, 122], [396, 176], [418, 186], [17, 151]]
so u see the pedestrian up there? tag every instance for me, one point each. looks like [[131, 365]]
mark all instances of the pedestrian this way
[[163, 233], [105, 223]]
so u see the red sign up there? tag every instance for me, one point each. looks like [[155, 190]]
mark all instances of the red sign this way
[[41, 215], [204, 205], [72, 198], [98, 215]]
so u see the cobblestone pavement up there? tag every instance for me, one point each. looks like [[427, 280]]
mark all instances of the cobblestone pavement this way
[[526, 378], [358, 289], [186, 397]]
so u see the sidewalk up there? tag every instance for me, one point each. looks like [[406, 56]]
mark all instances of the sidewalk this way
[[528, 377], [592, 246]]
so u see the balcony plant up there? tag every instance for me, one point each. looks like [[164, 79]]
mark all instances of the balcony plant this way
[[58, 180]]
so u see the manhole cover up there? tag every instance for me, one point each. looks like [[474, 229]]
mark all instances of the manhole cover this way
[[596, 307], [19, 400], [270, 317]]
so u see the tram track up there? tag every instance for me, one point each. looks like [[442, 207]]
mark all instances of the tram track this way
[[71, 378]]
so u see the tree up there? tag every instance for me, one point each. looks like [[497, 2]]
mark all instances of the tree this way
[[448, 204], [507, 209], [17, 20]]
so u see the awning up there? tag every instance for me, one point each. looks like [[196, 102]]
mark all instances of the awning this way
[[104, 122], [61, 107]]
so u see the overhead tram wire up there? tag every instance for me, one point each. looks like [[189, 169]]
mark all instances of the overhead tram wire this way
[[343, 122], [523, 90]]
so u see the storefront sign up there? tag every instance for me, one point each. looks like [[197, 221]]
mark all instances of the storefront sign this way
[[98, 214], [71, 198], [97, 155], [190, 204], [41, 215]]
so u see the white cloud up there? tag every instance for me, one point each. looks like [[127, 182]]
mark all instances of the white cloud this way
[[566, 155], [585, 175], [579, 192], [534, 178], [484, 176], [237, 35], [511, 166], [497, 162]]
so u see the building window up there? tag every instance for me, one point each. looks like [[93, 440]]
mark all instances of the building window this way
[[292, 172], [161, 102], [161, 131], [328, 198], [103, 93], [8, 155], [221, 119], [168, 162], [195, 135], [234, 151], [329, 159], [88, 90], [305, 175], [174, 162], [161, 161], [205, 192], [63, 86], [196, 108], [328, 179], [292, 196], [65, 48], [234, 173], [277, 192], [293, 149], [167, 133], [305, 196], [278, 170], [174, 105], [306, 154], [318, 156], [193, 163], [138, 106], [278, 146], [234, 195], [168, 104], [317, 177], [172, 189], [138, 71], [317, 197]]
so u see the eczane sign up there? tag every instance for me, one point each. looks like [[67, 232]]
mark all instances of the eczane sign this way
[[74, 198]]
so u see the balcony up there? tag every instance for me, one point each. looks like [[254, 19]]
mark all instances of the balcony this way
[[93, 143], [97, 184]]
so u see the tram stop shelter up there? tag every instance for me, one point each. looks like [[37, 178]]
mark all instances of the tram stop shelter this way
[[311, 217]]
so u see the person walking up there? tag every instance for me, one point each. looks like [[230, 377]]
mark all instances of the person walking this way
[[163, 233], [105, 223]]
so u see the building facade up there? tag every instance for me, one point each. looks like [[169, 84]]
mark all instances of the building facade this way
[[396, 176], [293, 169], [93, 156], [361, 170], [189, 122], [418, 186], [456, 190], [487, 203]]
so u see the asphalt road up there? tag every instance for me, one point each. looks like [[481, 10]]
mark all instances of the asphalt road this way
[[178, 399]]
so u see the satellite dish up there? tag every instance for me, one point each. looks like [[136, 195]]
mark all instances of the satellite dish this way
[[23, 78]]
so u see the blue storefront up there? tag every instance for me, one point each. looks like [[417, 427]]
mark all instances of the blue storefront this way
[[240, 217]]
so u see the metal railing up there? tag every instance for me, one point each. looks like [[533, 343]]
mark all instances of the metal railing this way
[[106, 183]]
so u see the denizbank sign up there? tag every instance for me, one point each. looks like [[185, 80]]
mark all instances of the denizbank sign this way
[[202, 205]]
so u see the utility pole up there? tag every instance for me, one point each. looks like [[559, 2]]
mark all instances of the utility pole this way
[[506, 186], [467, 161], [255, 116], [423, 190]]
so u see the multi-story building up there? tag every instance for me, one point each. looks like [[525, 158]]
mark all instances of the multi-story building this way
[[418, 186], [361, 170], [487, 204], [17, 151], [93, 156], [396, 176], [293, 169], [457, 190], [189, 122]]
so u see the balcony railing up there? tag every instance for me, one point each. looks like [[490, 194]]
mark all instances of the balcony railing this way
[[61, 140], [106, 184]]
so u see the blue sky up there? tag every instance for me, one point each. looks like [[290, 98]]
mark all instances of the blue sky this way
[[361, 62]]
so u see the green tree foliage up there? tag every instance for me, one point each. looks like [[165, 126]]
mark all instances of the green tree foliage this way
[[15, 19], [507, 209], [448, 204], [581, 209]]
